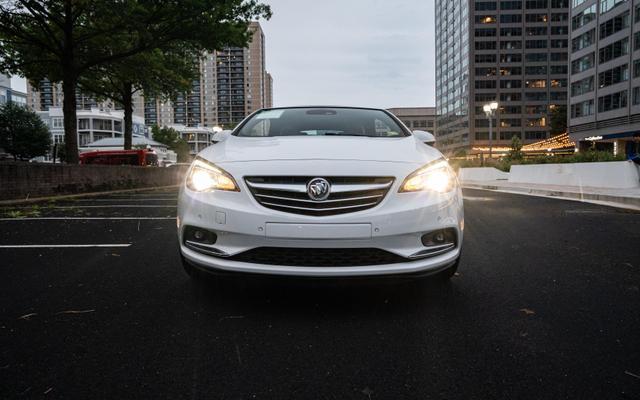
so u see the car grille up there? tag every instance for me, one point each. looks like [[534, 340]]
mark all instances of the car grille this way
[[348, 194], [304, 257]]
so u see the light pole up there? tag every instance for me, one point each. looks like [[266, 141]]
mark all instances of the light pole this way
[[490, 110]]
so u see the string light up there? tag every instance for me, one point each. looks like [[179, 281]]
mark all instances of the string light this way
[[559, 142]]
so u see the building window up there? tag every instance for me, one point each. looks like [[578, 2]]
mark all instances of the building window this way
[[535, 70], [486, 45], [582, 86], [536, 44], [510, 58], [582, 109], [510, 5], [614, 50], [536, 31], [509, 110], [559, 17], [612, 101], [510, 18], [536, 4], [485, 58], [636, 13], [606, 5], [558, 96], [102, 124], [510, 31], [536, 18], [485, 19], [559, 3], [510, 97], [536, 109], [636, 95], [584, 40], [538, 83], [57, 123], [485, 32], [535, 135], [614, 25], [559, 30], [485, 84], [535, 96], [558, 69], [584, 17], [83, 124], [511, 84], [558, 83], [536, 122], [536, 57], [507, 71], [558, 57], [485, 71], [512, 45], [559, 43], [636, 68], [510, 122], [576, 3], [583, 63], [485, 5], [636, 41], [613, 76]]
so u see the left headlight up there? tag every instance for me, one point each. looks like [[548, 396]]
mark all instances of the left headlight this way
[[436, 176], [205, 177]]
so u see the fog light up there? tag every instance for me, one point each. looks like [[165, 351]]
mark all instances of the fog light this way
[[439, 237], [199, 235]]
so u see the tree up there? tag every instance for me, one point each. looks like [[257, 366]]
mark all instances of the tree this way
[[61, 40], [159, 73], [22, 133], [515, 153], [558, 120], [172, 139]]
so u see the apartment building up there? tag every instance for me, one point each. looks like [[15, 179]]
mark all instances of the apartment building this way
[[512, 52], [605, 75], [416, 118], [232, 83]]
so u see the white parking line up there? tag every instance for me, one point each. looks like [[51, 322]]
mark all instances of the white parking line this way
[[43, 246], [81, 218]]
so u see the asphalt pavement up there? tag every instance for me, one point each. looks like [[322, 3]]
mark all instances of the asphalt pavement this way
[[94, 305]]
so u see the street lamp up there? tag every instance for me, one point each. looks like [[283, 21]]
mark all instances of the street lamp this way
[[490, 111]]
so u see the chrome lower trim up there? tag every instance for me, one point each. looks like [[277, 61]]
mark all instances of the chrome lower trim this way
[[433, 251], [205, 248]]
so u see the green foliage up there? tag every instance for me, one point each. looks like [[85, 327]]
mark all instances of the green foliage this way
[[172, 139], [22, 132], [558, 120], [63, 40], [515, 153]]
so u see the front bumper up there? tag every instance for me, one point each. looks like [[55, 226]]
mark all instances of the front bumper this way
[[396, 225]]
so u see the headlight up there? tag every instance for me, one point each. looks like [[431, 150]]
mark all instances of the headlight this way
[[436, 176], [205, 177]]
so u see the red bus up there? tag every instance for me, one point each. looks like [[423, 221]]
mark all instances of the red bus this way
[[144, 157]]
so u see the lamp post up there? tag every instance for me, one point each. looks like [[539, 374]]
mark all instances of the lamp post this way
[[490, 111]]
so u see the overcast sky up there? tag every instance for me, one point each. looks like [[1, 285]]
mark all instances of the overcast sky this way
[[378, 53]]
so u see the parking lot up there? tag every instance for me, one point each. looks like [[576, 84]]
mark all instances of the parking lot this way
[[94, 304]]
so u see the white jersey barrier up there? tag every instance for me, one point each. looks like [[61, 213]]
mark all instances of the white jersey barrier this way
[[614, 174], [481, 174]]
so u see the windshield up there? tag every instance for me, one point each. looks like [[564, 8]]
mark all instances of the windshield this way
[[321, 122]]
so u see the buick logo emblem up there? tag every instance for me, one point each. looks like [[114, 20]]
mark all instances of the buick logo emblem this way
[[318, 189]]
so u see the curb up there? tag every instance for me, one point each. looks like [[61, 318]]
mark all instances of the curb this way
[[632, 203], [90, 194]]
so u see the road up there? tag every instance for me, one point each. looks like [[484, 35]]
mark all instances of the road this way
[[546, 305]]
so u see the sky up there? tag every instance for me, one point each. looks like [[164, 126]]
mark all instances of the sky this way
[[371, 53]]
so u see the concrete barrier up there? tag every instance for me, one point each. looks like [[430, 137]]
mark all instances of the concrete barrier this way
[[28, 180], [481, 174], [614, 174]]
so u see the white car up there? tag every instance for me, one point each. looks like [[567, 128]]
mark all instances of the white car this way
[[321, 192]]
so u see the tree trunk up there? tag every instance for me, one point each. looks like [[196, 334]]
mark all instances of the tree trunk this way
[[69, 81], [70, 122], [127, 104]]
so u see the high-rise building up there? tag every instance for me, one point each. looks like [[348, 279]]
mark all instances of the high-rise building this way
[[512, 52], [416, 118], [49, 94], [232, 83], [268, 90], [8, 94], [605, 74]]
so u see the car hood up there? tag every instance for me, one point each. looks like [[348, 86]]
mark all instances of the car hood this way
[[398, 150]]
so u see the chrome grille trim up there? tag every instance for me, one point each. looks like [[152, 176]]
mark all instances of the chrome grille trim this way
[[348, 194]]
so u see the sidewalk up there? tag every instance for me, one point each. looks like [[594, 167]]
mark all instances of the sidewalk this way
[[623, 198]]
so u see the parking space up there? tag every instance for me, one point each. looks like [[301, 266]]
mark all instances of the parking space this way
[[94, 304]]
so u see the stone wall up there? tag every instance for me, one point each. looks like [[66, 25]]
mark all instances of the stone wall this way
[[29, 180]]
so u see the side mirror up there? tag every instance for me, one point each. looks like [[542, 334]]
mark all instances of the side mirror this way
[[220, 136], [425, 137]]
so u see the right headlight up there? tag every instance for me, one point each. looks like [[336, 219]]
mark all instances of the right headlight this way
[[436, 176], [206, 177]]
